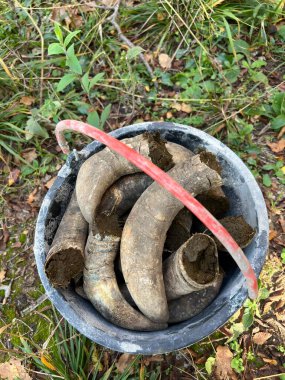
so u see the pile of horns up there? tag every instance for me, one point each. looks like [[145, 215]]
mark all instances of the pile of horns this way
[[133, 242]]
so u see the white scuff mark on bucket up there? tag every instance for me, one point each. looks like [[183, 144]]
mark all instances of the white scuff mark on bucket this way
[[236, 302], [64, 171], [45, 204], [130, 347]]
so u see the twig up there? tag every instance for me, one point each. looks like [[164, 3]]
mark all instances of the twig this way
[[30, 308], [122, 37], [269, 376]]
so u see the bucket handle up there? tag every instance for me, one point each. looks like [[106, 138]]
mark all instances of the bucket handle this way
[[170, 185]]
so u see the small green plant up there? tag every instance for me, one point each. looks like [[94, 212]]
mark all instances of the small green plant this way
[[254, 74], [278, 110], [237, 362], [209, 365], [64, 46], [250, 356], [242, 134], [277, 169], [283, 256]]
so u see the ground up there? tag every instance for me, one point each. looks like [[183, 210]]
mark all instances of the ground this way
[[218, 66]]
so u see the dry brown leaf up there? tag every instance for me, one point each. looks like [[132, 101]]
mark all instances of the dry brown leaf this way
[[2, 275], [47, 362], [176, 106], [31, 196], [27, 100], [124, 362], [13, 176], [6, 233], [282, 223], [29, 155], [154, 358], [17, 244], [272, 234], [13, 370], [218, 129], [277, 147], [164, 61], [77, 21], [186, 108], [280, 304], [261, 337], [270, 361], [148, 57], [223, 369], [281, 133], [49, 183], [267, 307]]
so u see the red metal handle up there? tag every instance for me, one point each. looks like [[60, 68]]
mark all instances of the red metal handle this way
[[170, 185]]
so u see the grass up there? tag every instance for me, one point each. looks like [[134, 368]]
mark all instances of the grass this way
[[227, 77]]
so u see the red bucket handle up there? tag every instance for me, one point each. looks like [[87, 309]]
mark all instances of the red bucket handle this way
[[170, 185]]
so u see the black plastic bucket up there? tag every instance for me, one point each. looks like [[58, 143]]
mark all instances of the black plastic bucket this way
[[245, 199]]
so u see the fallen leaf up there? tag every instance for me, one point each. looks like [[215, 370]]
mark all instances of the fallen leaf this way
[[218, 129], [60, 14], [280, 305], [49, 183], [6, 235], [124, 362], [267, 307], [31, 196], [223, 369], [277, 147], [27, 100], [261, 337], [154, 358], [13, 177], [148, 57], [46, 362], [281, 133], [169, 115], [186, 108], [282, 223], [272, 234], [18, 244], [2, 275], [270, 361], [176, 106], [12, 370], [29, 155], [164, 61], [77, 21]]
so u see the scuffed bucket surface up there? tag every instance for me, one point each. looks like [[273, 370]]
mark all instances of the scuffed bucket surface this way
[[245, 199]]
